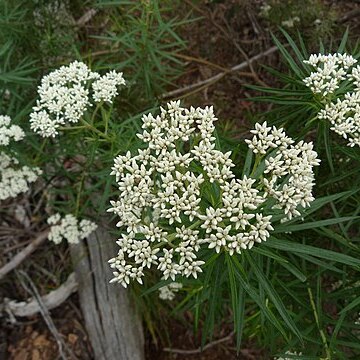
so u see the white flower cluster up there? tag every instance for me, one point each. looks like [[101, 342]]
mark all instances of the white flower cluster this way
[[292, 162], [14, 179], [168, 292], [330, 71], [179, 193], [106, 87], [343, 112], [65, 96], [69, 228], [344, 116], [293, 354], [9, 131], [290, 23]]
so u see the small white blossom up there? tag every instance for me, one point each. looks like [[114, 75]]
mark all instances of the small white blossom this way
[[69, 228], [9, 131], [289, 353], [342, 111], [331, 69], [169, 291], [290, 22], [106, 87], [265, 9], [289, 176], [15, 180]]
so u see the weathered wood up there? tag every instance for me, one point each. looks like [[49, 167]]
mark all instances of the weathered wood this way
[[114, 329]]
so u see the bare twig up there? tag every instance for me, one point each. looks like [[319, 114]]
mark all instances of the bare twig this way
[[46, 316], [349, 15], [217, 77], [22, 255], [51, 300], [86, 17], [199, 350]]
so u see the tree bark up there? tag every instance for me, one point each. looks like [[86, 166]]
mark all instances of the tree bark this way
[[114, 328]]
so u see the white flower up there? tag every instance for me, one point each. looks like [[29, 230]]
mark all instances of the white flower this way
[[165, 212], [168, 292], [343, 112], [289, 353], [290, 22], [15, 180], [69, 228], [105, 88], [331, 69], [265, 9], [288, 173], [64, 96], [8, 131]]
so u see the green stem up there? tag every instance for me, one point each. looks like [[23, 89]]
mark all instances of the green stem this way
[[322, 334], [78, 195], [40, 152], [98, 105], [94, 129]]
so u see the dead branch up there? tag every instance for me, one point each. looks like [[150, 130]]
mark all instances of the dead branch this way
[[349, 15], [86, 17], [22, 255], [199, 350], [217, 77], [51, 300], [32, 290]]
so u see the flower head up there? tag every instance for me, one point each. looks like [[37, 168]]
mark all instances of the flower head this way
[[64, 96], [69, 228], [343, 110], [178, 195], [9, 131]]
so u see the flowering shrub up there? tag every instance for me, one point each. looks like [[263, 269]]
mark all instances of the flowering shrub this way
[[223, 230], [179, 195], [341, 109]]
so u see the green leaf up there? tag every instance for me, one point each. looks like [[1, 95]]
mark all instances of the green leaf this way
[[344, 40], [312, 251], [274, 296], [248, 162], [288, 57], [311, 225], [350, 306], [240, 274]]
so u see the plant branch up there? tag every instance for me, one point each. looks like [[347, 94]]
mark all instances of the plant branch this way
[[199, 350], [220, 75], [22, 255], [51, 300]]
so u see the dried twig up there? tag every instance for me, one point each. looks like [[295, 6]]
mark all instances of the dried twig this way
[[199, 350], [349, 15], [32, 290], [217, 77], [86, 17], [51, 300], [22, 255]]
